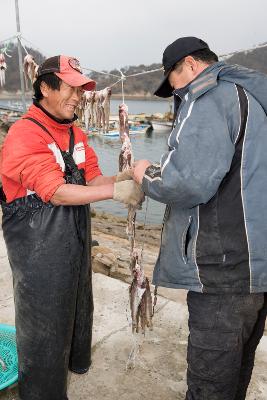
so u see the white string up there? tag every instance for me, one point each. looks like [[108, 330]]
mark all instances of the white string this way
[[8, 40], [131, 75], [145, 231], [122, 91], [32, 44], [130, 363], [100, 72], [114, 83], [19, 38], [145, 72], [122, 87], [5, 52]]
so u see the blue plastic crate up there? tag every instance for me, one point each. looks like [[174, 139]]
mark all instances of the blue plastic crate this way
[[8, 356]]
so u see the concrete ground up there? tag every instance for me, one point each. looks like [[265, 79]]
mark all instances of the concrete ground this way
[[160, 365]]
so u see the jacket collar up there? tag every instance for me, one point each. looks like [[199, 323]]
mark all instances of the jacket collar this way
[[39, 113], [206, 80], [59, 121]]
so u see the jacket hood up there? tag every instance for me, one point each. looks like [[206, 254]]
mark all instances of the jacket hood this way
[[252, 81]]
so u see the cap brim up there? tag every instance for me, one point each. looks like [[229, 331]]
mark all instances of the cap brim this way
[[76, 79], [164, 90]]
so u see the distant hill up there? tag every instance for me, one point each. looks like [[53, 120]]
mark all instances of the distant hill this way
[[143, 85], [146, 84], [254, 59]]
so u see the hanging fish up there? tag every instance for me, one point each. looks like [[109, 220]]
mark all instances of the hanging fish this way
[[139, 291], [105, 108], [30, 69], [3, 68]]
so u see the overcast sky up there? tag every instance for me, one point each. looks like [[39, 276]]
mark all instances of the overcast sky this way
[[115, 33]]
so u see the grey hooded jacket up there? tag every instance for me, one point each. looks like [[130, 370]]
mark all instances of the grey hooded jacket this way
[[214, 182]]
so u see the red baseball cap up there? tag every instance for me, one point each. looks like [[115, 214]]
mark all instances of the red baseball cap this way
[[68, 69]]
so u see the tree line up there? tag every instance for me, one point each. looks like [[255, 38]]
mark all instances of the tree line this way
[[143, 85]]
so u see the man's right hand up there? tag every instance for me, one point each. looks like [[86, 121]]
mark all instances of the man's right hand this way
[[139, 169], [128, 192]]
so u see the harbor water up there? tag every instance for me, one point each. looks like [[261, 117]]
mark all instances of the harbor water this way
[[135, 106], [145, 146]]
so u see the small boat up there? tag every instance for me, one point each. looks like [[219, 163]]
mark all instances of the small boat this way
[[162, 126], [110, 134], [116, 133], [133, 126]]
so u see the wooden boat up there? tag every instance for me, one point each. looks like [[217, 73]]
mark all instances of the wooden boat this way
[[162, 126]]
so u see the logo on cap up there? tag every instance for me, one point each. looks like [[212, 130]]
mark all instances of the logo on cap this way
[[74, 63]]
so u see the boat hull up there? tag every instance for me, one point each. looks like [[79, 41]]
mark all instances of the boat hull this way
[[162, 126]]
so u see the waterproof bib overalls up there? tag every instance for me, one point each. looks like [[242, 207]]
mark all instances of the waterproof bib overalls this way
[[49, 252]]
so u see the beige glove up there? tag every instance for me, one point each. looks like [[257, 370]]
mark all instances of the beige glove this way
[[128, 192], [123, 176]]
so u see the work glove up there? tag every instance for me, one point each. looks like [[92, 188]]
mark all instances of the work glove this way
[[123, 176], [128, 192]]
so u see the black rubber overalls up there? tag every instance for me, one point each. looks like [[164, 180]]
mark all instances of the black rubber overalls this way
[[49, 252]]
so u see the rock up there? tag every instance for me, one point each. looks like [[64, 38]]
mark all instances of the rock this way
[[104, 260]]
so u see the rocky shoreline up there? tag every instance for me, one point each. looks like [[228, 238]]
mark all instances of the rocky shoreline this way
[[112, 256]]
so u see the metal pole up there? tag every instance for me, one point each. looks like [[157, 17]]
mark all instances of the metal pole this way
[[22, 85]]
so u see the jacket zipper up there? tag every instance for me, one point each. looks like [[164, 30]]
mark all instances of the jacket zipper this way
[[184, 256]]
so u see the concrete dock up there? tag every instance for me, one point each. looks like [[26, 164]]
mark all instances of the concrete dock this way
[[160, 364]]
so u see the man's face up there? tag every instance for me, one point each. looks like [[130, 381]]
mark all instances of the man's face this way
[[181, 77], [62, 103]]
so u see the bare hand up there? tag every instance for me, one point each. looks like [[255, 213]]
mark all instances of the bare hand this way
[[139, 168]]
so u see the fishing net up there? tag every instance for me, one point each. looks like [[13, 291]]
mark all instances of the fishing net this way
[[8, 356]]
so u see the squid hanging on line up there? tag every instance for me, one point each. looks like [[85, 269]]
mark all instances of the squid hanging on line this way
[[139, 291], [3, 68], [95, 109], [30, 69]]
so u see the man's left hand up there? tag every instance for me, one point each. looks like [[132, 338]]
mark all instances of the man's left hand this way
[[139, 168]]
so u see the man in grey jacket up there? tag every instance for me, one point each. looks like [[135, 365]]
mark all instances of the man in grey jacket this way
[[213, 181]]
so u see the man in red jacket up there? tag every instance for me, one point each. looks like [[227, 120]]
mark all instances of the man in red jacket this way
[[49, 176]]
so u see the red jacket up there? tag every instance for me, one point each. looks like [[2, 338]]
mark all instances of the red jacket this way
[[32, 162]]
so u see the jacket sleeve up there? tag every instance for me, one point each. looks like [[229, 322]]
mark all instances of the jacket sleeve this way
[[27, 159], [92, 169], [200, 155]]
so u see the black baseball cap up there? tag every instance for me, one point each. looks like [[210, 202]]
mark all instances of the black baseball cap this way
[[173, 53]]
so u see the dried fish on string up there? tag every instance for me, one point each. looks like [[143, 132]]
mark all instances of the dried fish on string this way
[[30, 69], [3, 68], [95, 109], [139, 291], [105, 108], [88, 100]]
